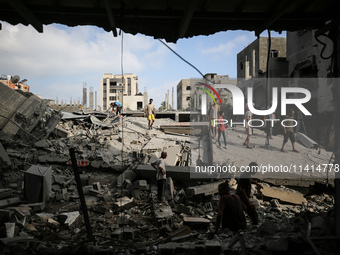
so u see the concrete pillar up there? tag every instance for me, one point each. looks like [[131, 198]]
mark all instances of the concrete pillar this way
[[84, 95], [168, 100], [95, 100], [91, 98], [173, 102]]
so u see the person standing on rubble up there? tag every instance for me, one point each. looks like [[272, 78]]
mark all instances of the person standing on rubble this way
[[159, 165], [230, 210], [150, 113], [243, 190], [288, 130], [249, 129]]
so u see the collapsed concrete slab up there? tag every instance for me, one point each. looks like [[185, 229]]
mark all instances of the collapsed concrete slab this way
[[306, 141], [26, 115], [206, 189], [284, 195]]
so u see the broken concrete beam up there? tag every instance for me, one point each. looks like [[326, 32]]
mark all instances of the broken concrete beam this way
[[206, 189], [306, 141], [10, 202], [68, 218], [44, 216], [196, 222], [283, 194], [127, 174], [123, 203]]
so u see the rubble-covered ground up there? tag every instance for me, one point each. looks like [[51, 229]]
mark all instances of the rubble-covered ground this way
[[124, 215]]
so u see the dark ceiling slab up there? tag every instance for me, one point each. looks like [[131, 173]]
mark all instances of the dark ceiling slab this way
[[172, 19]]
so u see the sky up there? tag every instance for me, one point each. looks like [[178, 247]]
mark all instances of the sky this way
[[59, 61]]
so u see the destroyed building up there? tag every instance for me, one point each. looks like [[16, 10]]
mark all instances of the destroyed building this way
[[122, 217]]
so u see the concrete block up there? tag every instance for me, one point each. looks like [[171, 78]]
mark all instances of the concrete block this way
[[123, 203], [96, 186], [10, 229]]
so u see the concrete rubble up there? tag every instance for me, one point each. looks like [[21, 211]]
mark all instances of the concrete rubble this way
[[121, 196]]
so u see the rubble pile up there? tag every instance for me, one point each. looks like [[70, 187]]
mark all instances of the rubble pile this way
[[127, 219], [41, 210]]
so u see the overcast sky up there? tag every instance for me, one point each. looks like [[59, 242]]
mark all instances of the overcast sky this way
[[59, 61]]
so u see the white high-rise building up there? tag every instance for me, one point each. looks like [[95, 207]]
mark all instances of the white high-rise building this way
[[113, 87]]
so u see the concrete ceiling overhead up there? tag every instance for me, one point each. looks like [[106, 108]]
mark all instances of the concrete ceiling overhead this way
[[172, 19]]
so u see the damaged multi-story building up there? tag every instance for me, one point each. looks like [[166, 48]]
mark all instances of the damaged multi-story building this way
[[122, 88]]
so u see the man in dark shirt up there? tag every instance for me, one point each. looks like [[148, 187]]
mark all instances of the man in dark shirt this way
[[288, 130], [243, 190], [230, 210]]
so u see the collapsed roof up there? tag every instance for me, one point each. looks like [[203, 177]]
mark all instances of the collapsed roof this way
[[172, 19]]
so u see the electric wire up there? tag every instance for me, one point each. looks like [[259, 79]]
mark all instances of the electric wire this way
[[181, 57]]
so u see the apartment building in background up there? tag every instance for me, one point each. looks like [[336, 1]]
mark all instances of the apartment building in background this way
[[15, 84], [121, 88]]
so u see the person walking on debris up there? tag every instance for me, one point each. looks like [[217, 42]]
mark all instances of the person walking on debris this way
[[230, 210], [221, 130], [159, 165], [288, 130], [243, 191], [150, 113], [249, 129], [118, 108], [269, 125]]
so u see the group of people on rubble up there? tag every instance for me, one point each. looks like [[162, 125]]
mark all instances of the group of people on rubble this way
[[218, 128], [149, 111], [231, 206]]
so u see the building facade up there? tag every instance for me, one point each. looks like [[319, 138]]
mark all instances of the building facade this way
[[183, 94], [252, 68], [121, 88], [311, 62]]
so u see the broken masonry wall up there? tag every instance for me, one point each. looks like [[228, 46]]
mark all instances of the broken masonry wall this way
[[25, 113]]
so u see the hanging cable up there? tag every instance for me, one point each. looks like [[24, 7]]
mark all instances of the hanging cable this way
[[181, 58]]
